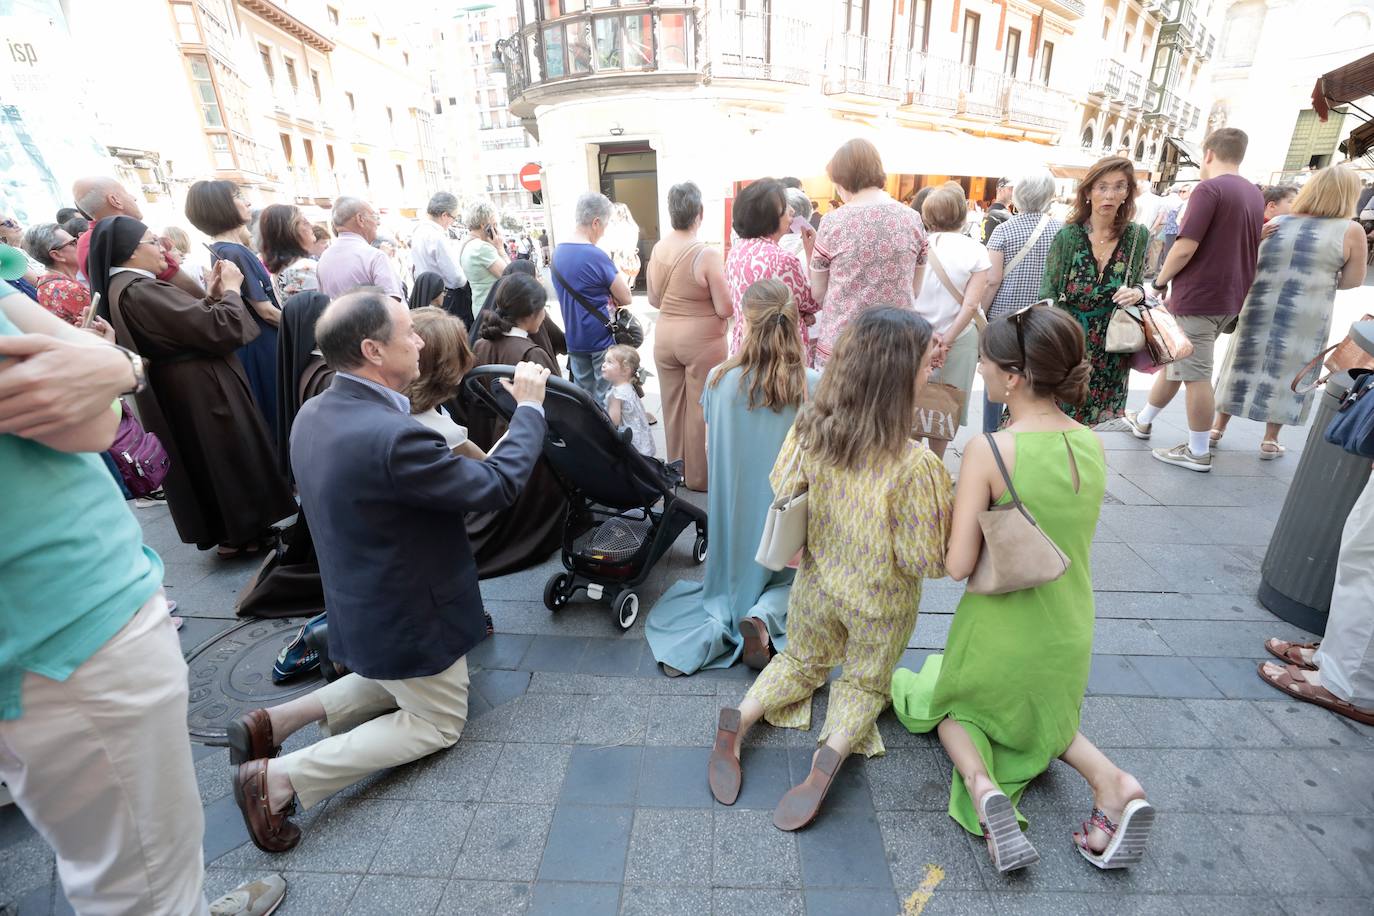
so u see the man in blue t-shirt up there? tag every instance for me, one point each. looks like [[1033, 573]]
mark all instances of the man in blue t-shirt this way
[[582, 268], [93, 687]]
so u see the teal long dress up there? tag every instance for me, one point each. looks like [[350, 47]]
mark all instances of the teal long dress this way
[[695, 625], [1015, 666]]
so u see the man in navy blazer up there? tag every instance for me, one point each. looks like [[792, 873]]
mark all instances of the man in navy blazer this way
[[386, 499]]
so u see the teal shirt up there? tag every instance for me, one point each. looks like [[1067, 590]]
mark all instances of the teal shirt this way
[[73, 566]]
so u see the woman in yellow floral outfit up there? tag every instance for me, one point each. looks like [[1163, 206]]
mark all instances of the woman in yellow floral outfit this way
[[878, 523]]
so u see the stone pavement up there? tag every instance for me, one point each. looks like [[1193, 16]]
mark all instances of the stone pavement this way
[[579, 786]]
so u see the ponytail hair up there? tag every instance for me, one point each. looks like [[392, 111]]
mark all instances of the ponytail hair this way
[[771, 355], [628, 357], [517, 297]]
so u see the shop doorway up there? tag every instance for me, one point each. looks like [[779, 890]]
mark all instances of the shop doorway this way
[[629, 175]]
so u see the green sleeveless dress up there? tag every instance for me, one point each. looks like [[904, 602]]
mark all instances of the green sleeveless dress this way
[[1015, 666]]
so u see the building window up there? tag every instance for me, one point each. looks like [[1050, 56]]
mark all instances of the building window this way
[[219, 144], [205, 93], [315, 84], [286, 149], [918, 29], [1140, 151], [390, 118], [329, 154], [968, 53], [188, 31], [1126, 41], [1087, 138], [291, 74], [855, 16], [1106, 27], [333, 15], [362, 168], [309, 154], [405, 58], [1013, 53], [1107, 141], [1046, 61], [352, 105], [377, 41], [1241, 33], [265, 53]]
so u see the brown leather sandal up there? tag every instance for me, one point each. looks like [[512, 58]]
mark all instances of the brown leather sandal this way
[[802, 803], [1289, 652], [269, 832], [758, 648], [722, 770], [1291, 682]]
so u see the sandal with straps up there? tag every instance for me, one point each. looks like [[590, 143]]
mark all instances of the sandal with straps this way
[[1270, 449], [1126, 846], [1290, 653], [1291, 682], [1007, 844]]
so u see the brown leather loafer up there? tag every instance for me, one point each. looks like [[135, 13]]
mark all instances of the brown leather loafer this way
[[250, 737], [722, 771], [758, 648], [269, 832], [802, 803]]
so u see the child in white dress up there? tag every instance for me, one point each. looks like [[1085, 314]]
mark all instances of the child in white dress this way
[[621, 369]]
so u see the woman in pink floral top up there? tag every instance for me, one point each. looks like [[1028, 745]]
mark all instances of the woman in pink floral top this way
[[58, 290], [870, 252], [761, 217]]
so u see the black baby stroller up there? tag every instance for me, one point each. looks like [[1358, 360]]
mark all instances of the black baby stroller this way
[[616, 530]]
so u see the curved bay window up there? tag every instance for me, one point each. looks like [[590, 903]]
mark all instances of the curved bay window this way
[[564, 39]]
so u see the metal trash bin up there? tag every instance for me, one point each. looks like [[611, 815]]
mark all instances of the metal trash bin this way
[[1299, 567]]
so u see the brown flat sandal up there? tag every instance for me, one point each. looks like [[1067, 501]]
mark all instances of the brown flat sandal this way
[[1289, 652], [1291, 682], [802, 803], [758, 648], [722, 770]]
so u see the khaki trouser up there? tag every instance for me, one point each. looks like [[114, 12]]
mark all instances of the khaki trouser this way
[[101, 765], [378, 724], [1346, 656]]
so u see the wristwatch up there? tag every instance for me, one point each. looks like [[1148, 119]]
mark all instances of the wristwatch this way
[[140, 370]]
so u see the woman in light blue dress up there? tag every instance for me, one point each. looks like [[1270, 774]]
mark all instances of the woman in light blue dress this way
[[750, 401]]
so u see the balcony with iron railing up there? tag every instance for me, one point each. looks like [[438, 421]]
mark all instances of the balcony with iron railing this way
[[1069, 9], [1108, 79], [862, 65]]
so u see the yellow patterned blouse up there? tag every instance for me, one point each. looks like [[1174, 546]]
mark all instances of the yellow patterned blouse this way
[[873, 532]]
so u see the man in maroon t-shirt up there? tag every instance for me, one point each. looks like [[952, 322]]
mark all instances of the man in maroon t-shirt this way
[[1211, 264]]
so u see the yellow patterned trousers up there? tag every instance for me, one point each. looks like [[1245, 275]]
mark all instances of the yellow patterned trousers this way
[[823, 632]]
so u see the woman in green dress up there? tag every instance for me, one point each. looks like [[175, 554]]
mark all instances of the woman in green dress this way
[[1006, 695], [1096, 263]]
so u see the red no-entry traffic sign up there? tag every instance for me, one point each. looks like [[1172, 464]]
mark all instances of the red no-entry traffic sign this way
[[529, 178]]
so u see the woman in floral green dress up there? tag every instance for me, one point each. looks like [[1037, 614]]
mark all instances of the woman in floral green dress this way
[[1096, 263]]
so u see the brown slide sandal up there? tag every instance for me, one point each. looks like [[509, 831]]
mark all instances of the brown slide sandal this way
[[722, 771], [758, 648], [802, 803], [1289, 652]]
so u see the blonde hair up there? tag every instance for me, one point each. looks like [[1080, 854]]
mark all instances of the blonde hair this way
[[865, 404], [444, 359], [1332, 192], [771, 358], [945, 209], [628, 357], [180, 240]]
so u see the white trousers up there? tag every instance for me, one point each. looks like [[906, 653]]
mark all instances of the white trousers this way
[[378, 724], [100, 764], [1346, 656]]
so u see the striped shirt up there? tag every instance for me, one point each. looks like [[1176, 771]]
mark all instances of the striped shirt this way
[[1021, 287]]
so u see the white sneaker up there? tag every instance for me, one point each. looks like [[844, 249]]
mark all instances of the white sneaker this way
[[1137, 429], [256, 898], [1182, 456]]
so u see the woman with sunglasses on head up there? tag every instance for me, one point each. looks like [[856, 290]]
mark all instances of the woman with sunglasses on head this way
[[223, 487], [1006, 695], [1096, 263]]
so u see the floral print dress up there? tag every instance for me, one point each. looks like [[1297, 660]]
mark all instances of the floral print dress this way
[[1073, 281]]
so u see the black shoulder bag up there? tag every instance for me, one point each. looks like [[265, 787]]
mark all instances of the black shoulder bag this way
[[624, 327]]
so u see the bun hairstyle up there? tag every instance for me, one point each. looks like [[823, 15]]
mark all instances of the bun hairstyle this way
[[518, 296], [865, 404], [771, 354], [1056, 364], [628, 357]]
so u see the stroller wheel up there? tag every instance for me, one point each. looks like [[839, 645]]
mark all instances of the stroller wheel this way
[[699, 550], [627, 609], [557, 591]]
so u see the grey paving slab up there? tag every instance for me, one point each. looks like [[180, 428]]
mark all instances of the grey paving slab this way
[[307, 893], [942, 902], [463, 897], [844, 848], [757, 902], [1173, 677], [1057, 791], [455, 775], [1221, 638], [766, 778], [500, 650], [615, 720], [1114, 675], [587, 843], [909, 779], [1163, 723], [1307, 781], [1202, 568], [674, 777], [1173, 606], [1141, 464], [564, 899], [849, 788], [920, 841], [602, 776], [639, 900], [1306, 725], [748, 851], [498, 687], [26, 865], [504, 842], [652, 684], [1152, 525], [1189, 852], [1281, 858], [224, 828], [540, 720], [612, 656], [670, 846], [1127, 493], [213, 776], [1193, 780], [1236, 678], [1230, 906], [932, 631], [686, 721], [1100, 719], [1127, 637], [1177, 487], [554, 653], [851, 902], [1117, 568], [341, 835], [1348, 844], [1237, 723], [386, 895], [529, 774], [424, 840]]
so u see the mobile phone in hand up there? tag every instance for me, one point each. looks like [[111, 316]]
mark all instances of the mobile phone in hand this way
[[87, 318]]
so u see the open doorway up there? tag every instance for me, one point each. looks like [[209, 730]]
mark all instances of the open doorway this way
[[629, 175]]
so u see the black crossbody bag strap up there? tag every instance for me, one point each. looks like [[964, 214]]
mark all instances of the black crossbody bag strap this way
[[591, 310]]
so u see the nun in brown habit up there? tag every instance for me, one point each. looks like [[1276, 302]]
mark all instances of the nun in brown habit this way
[[224, 487]]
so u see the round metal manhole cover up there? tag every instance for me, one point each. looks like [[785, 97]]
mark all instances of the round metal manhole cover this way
[[232, 674]]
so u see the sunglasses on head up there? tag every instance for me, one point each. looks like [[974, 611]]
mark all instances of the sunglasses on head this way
[[1021, 332]]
